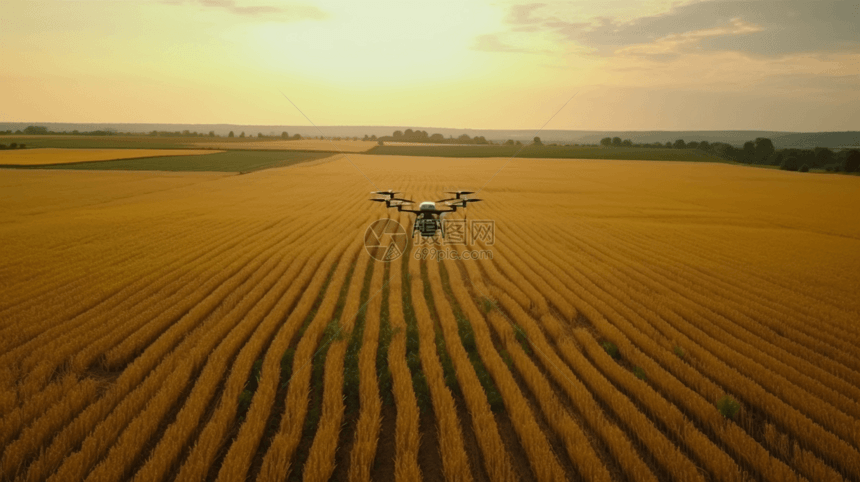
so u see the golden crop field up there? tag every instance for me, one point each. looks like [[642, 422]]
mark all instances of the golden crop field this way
[[187, 326], [49, 155]]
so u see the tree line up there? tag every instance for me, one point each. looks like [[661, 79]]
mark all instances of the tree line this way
[[761, 151], [410, 135]]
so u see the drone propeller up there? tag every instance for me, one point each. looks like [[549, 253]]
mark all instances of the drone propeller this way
[[462, 202], [459, 192], [390, 193]]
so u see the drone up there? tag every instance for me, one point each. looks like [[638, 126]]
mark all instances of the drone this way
[[429, 219]]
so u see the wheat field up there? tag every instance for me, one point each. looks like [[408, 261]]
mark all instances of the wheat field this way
[[195, 326], [49, 155]]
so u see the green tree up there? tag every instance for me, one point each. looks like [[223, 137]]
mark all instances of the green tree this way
[[230, 134], [679, 144], [763, 149], [692, 145], [789, 163], [284, 135], [242, 134], [775, 159], [823, 156], [211, 133], [804, 168], [537, 141], [704, 146], [616, 141], [35, 130], [606, 141], [259, 134], [852, 161], [749, 151], [397, 134]]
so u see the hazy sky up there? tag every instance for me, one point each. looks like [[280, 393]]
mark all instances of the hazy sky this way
[[633, 65]]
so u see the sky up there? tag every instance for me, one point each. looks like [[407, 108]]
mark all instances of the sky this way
[[784, 65]]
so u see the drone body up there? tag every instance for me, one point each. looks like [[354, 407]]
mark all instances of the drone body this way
[[428, 219]]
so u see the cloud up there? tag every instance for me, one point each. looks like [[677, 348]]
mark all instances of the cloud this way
[[287, 13], [760, 28], [492, 43]]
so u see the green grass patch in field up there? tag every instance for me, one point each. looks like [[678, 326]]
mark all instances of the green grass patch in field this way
[[108, 142], [552, 152], [230, 161]]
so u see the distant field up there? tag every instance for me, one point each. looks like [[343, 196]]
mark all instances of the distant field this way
[[274, 144], [550, 152], [232, 161], [104, 142], [155, 142], [52, 155]]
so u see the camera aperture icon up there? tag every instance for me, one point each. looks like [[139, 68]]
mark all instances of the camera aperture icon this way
[[385, 240]]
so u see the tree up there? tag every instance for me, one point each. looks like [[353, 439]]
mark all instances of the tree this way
[[763, 149], [464, 139], [789, 164], [852, 161], [284, 135], [692, 145], [537, 141], [373, 137], [606, 141], [398, 134], [775, 159], [679, 144], [749, 151], [242, 134], [35, 130], [616, 141], [259, 134], [408, 133], [509, 142], [823, 156], [211, 133], [230, 134], [704, 146], [437, 138], [13, 145], [627, 143], [804, 168]]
